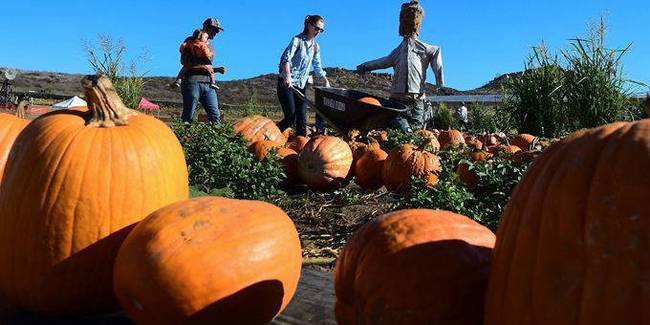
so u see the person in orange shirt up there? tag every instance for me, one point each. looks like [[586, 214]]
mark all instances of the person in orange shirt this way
[[199, 47]]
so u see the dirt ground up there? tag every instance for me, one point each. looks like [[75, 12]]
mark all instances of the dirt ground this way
[[325, 220]]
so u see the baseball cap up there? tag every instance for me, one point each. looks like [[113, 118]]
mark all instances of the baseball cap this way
[[212, 22]]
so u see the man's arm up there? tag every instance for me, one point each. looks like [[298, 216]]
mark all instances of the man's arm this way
[[381, 63], [436, 66]]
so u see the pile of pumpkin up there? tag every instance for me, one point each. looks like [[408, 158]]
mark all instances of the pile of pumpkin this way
[[94, 212], [327, 162]]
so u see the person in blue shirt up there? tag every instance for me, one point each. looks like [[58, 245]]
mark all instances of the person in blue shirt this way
[[301, 56]]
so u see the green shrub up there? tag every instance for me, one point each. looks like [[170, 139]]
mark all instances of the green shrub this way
[[444, 119], [397, 137], [496, 181], [220, 164], [483, 119]]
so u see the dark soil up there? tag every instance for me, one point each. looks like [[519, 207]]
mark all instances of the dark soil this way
[[325, 220]]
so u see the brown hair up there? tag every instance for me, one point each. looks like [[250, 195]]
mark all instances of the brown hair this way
[[311, 19], [410, 18]]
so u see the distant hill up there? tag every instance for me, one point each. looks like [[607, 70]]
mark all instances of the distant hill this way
[[260, 89]]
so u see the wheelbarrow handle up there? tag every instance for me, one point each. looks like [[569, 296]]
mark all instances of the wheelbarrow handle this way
[[302, 96], [315, 108]]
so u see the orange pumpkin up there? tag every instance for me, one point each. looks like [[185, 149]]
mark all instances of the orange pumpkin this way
[[260, 149], [450, 138], [425, 134], [523, 141], [357, 147], [325, 162], [490, 140], [467, 176], [430, 136], [473, 142], [209, 260], [380, 135], [298, 143], [370, 100], [10, 127], [572, 244], [480, 155], [74, 183], [414, 266], [256, 128], [288, 133], [521, 157], [289, 165], [408, 160], [367, 169], [504, 149]]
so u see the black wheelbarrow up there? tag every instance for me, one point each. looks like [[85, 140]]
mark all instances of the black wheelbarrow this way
[[343, 111]]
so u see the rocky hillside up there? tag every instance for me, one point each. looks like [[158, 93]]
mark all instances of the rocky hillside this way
[[260, 89]]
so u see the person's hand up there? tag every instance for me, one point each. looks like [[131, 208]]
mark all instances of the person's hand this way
[[221, 70], [287, 81], [361, 68]]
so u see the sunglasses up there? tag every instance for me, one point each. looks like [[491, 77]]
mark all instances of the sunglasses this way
[[320, 30]]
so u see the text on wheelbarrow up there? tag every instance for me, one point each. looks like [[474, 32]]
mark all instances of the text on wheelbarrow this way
[[331, 103]]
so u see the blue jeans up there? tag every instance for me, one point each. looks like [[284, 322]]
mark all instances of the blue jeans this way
[[413, 117], [199, 92], [295, 110]]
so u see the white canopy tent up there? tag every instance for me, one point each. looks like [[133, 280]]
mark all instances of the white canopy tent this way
[[74, 102]]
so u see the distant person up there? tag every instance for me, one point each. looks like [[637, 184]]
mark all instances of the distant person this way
[[410, 61], [196, 81], [301, 56], [200, 48], [461, 115]]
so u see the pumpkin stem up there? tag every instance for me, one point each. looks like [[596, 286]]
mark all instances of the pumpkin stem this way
[[105, 108]]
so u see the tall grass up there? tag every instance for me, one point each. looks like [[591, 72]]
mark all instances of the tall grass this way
[[535, 98], [595, 89], [107, 58], [584, 88]]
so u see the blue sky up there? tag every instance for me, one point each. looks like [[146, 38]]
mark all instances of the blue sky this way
[[480, 40]]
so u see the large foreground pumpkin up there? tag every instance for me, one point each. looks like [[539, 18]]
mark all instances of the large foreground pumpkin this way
[[573, 241], [10, 127], [256, 128], [73, 183], [414, 266], [209, 260], [324, 162]]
